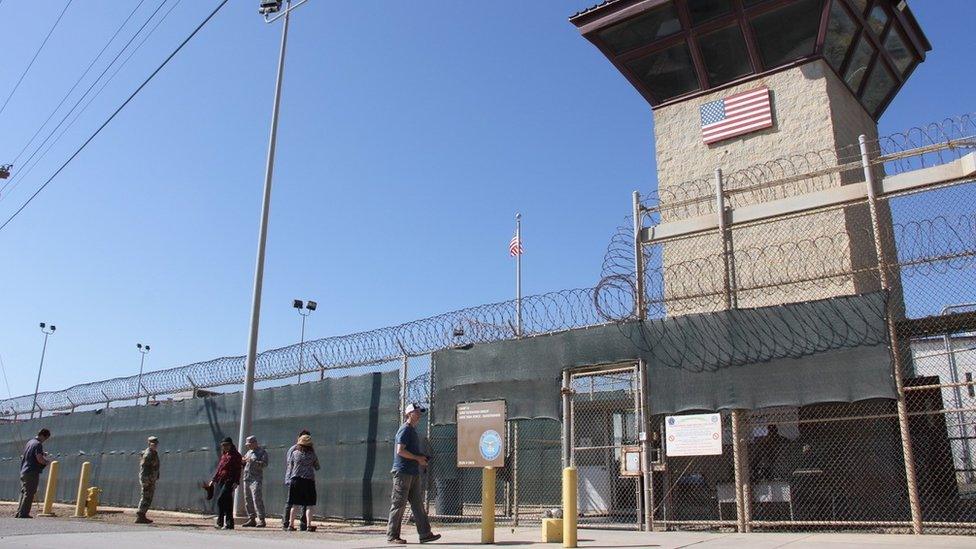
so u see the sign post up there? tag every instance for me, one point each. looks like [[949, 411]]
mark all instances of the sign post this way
[[481, 443]]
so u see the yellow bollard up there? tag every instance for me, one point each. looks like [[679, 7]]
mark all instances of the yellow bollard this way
[[488, 505], [569, 507], [82, 489], [91, 504], [52, 484]]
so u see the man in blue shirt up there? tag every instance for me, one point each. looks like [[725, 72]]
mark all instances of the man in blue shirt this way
[[32, 462], [407, 486]]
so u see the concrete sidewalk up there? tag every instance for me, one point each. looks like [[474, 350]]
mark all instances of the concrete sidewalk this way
[[59, 533]]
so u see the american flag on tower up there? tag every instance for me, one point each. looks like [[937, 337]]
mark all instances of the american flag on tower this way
[[736, 115], [515, 246]]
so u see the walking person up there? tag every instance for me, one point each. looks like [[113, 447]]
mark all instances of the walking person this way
[[286, 515], [300, 476], [255, 460], [32, 462], [148, 475], [407, 486], [225, 481]]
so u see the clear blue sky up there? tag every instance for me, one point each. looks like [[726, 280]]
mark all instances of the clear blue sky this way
[[410, 134]]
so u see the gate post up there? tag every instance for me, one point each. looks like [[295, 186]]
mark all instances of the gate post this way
[[896, 348], [645, 440]]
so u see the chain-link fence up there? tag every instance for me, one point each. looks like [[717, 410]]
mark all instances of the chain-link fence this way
[[899, 465]]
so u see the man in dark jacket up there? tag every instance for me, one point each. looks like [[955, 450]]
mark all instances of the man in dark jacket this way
[[32, 462], [225, 481]]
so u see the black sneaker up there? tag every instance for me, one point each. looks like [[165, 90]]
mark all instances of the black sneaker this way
[[430, 538], [249, 524]]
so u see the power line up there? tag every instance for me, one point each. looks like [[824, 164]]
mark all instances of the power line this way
[[82, 97], [114, 114], [22, 174], [36, 53], [80, 78]]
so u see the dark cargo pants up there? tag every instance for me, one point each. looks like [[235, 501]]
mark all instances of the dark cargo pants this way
[[407, 488], [28, 488]]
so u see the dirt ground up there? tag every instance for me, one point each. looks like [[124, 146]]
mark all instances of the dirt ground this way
[[193, 521]]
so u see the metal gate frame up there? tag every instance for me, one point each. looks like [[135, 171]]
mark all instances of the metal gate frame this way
[[636, 369]]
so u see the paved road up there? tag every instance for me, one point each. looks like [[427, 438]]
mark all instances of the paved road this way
[[61, 533]]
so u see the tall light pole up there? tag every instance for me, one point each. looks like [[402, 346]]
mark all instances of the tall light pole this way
[[143, 350], [304, 309], [47, 331], [268, 8]]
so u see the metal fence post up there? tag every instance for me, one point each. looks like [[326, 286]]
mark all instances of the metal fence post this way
[[404, 372], [515, 475], [896, 349], [430, 421], [645, 440], [740, 452], [640, 302], [567, 392]]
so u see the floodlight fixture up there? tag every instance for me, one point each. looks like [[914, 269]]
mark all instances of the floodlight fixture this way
[[269, 6], [297, 304], [311, 305]]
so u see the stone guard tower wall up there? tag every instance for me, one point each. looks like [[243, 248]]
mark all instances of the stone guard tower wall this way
[[816, 124]]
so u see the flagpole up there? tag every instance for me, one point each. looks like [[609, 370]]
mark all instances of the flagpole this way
[[518, 276]]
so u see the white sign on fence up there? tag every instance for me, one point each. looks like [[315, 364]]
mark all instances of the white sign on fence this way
[[694, 435]]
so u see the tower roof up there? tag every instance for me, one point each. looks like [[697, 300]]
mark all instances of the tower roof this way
[[673, 50]]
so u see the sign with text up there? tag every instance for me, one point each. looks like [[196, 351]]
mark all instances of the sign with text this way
[[694, 435], [481, 434]]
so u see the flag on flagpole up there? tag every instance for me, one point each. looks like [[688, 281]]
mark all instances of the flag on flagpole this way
[[515, 246]]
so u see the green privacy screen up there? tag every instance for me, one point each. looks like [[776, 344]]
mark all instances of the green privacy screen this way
[[833, 350], [352, 421]]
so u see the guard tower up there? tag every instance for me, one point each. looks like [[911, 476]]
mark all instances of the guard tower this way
[[736, 83]]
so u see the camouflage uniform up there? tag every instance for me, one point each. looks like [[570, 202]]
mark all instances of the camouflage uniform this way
[[148, 475]]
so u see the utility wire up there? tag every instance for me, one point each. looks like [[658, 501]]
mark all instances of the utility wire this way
[[24, 173], [80, 78], [21, 174], [36, 53], [82, 97], [114, 114]]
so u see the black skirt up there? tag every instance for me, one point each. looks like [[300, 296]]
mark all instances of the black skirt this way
[[301, 491]]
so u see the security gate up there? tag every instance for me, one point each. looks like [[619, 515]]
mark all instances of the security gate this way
[[606, 414]]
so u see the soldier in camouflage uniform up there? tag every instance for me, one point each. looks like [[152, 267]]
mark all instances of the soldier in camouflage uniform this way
[[148, 475]]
